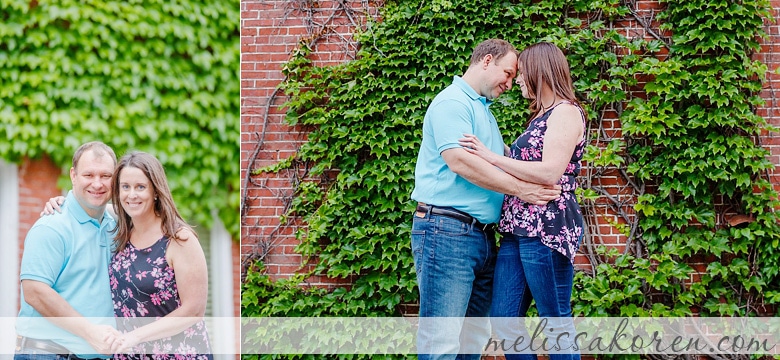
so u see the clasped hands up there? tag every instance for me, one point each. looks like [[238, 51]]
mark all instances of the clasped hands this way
[[123, 343], [113, 341]]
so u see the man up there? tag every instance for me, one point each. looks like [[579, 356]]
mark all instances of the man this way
[[64, 272], [459, 199]]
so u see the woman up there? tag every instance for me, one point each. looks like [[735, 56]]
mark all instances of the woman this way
[[158, 269], [536, 254]]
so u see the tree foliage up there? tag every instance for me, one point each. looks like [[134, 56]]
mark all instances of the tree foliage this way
[[155, 76]]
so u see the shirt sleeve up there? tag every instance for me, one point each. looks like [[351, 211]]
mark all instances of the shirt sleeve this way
[[44, 255], [450, 119]]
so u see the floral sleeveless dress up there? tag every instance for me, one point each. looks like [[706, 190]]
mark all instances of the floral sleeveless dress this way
[[143, 285], [559, 223]]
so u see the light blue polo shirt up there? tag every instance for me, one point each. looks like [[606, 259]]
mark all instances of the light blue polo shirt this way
[[455, 111], [69, 251]]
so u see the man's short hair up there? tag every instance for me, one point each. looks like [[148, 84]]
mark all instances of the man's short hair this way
[[496, 47], [97, 147]]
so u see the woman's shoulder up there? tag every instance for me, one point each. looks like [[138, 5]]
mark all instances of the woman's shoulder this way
[[184, 240], [184, 245], [185, 233], [567, 109], [567, 106]]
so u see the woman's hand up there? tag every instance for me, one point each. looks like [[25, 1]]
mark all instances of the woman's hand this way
[[53, 205], [471, 143], [124, 343]]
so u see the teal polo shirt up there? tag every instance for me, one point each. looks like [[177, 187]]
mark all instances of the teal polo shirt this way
[[455, 111], [69, 251]]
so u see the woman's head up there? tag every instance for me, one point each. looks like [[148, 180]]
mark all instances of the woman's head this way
[[140, 189], [544, 65]]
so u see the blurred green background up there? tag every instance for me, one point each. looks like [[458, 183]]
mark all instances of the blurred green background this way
[[155, 76]]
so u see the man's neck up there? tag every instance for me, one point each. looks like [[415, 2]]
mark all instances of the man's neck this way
[[471, 78], [96, 214]]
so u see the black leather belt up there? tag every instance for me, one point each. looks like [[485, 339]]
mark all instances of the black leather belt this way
[[455, 214], [43, 345], [47, 346]]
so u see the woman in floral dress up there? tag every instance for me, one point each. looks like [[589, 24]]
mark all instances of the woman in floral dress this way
[[158, 270], [536, 255]]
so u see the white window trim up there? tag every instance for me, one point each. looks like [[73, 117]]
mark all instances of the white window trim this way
[[221, 270], [9, 253], [9, 246]]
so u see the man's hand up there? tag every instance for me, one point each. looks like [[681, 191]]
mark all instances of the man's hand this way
[[53, 205], [102, 337], [537, 194]]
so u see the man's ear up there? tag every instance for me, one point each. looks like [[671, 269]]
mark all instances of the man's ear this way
[[487, 60]]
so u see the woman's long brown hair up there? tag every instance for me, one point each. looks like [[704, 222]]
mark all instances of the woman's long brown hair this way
[[164, 206], [544, 63]]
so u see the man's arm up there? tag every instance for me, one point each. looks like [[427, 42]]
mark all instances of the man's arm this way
[[52, 306], [481, 173], [42, 261]]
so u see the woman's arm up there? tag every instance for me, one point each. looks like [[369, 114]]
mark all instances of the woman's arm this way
[[564, 132], [189, 267]]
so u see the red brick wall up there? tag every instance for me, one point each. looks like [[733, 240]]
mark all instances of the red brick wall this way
[[770, 55], [37, 184], [236, 257], [270, 31]]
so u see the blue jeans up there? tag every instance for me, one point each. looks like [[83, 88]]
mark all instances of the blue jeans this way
[[31, 354], [528, 270], [454, 263]]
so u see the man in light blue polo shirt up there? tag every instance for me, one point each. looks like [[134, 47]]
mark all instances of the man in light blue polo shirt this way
[[66, 308], [459, 199]]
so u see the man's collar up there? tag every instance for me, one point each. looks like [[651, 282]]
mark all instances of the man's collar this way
[[78, 212], [463, 85]]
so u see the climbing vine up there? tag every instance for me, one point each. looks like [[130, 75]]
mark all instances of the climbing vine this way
[[674, 156], [156, 76]]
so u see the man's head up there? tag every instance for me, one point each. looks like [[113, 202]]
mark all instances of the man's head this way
[[492, 68], [93, 168]]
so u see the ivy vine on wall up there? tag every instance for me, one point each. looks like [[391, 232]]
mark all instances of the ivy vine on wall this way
[[156, 76], [688, 157]]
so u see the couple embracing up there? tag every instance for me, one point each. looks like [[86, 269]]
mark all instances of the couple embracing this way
[[470, 185]]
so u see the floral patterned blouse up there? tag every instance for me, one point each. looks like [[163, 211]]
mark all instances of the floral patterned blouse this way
[[558, 223], [143, 285]]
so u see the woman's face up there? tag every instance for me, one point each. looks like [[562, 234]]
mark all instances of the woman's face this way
[[135, 192], [520, 81]]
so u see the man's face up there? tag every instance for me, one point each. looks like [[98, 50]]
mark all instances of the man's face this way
[[92, 182], [498, 75]]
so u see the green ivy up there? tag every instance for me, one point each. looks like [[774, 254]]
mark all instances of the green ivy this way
[[156, 76], [698, 130], [688, 149]]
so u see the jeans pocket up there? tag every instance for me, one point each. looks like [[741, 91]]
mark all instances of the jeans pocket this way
[[419, 227], [418, 243], [451, 227]]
